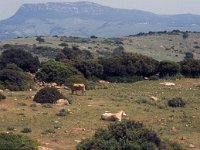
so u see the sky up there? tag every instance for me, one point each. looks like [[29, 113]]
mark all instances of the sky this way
[[9, 7]]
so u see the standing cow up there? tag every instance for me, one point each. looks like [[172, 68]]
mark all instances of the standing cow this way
[[78, 87]]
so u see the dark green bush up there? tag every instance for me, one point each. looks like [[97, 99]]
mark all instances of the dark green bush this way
[[26, 130], [62, 113], [124, 135], [75, 79], [16, 142], [2, 96], [190, 67], [40, 39], [15, 80], [90, 68], [129, 64], [48, 95], [74, 53], [21, 58], [168, 68], [176, 102], [63, 44], [53, 71]]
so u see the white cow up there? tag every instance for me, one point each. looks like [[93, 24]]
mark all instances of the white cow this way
[[113, 116]]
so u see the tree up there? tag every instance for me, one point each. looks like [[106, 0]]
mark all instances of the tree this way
[[21, 58], [54, 71]]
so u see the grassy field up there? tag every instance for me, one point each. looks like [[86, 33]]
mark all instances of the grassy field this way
[[158, 46], [63, 133]]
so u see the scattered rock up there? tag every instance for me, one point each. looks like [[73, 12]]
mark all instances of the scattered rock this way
[[77, 141], [174, 129], [191, 146], [62, 102]]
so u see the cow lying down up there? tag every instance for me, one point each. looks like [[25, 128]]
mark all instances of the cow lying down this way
[[113, 116]]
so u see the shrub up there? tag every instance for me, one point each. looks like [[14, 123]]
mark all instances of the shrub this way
[[185, 35], [90, 68], [21, 104], [10, 128], [190, 67], [17, 142], [48, 95], [53, 71], [26, 130], [62, 113], [124, 135], [75, 79], [2, 96], [48, 131], [74, 53], [21, 58], [176, 102], [168, 68], [40, 39], [15, 80], [63, 44], [129, 64]]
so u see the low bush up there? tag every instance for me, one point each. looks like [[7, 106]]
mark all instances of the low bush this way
[[125, 135], [26, 130], [16, 142], [62, 113], [176, 102], [48, 131], [48, 95]]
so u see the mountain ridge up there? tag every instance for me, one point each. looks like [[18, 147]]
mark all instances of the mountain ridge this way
[[88, 18]]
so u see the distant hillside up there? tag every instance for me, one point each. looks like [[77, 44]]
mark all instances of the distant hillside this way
[[159, 45], [84, 19]]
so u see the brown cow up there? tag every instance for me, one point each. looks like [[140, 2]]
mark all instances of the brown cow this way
[[78, 87]]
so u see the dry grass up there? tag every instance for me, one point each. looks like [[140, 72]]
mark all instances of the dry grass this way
[[160, 47], [86, 111]]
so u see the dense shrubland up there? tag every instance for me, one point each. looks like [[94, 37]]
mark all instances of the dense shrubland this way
[[75, 65]]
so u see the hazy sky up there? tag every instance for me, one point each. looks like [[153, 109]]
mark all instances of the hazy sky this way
[[9, 7]]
